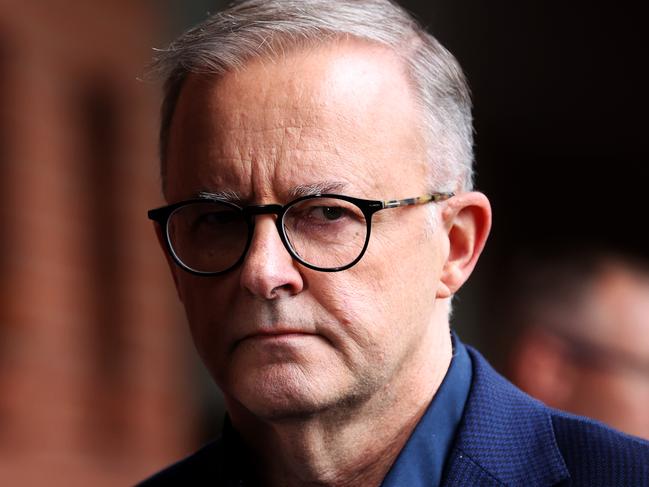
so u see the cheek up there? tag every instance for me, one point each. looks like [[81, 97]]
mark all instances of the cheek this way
[[598, 393], [631, 391], [405, 270], [372, 302], [343, 297], [204, 306], [356, 311]]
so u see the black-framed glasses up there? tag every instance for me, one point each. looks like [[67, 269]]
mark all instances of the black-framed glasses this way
[[208, 236]]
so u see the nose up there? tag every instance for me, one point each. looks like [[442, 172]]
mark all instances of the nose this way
[[269, 271]]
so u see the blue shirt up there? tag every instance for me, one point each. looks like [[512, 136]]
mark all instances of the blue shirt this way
[[421, 461]]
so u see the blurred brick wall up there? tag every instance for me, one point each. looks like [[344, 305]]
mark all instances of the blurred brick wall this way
[[91, 374]]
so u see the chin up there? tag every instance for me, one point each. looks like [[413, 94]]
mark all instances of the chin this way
[[289, 392]]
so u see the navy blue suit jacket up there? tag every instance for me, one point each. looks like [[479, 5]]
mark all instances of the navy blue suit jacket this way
[[505, 438], [508, 438]]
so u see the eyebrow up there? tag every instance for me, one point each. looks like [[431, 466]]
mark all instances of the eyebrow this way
[[323, 187], [227, 195]]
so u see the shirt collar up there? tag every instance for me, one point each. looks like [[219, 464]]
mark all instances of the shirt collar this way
[[421, 461]]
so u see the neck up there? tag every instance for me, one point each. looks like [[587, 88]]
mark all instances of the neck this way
[[349, 445]]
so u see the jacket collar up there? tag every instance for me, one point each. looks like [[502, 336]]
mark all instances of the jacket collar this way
[[505, 437]]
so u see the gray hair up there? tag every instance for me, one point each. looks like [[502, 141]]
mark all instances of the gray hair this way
[[257, 28]]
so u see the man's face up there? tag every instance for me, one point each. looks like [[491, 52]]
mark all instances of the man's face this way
[[616, 391], [278, 338]]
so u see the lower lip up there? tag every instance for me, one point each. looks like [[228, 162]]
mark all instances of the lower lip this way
[[282, 340], [280, 337]]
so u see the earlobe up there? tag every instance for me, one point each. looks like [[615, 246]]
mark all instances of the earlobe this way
[[467, 221], [172, 266]]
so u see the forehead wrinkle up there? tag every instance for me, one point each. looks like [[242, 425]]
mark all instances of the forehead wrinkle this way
[[288, 132], [251, 140], [278, 127]]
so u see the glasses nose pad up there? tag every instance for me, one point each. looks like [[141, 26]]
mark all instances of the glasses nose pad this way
[[286, 239], [272, 211], [284, 228]]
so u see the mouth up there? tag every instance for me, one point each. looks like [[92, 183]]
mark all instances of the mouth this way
[[274, 336]]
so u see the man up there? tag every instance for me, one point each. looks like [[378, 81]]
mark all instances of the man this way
[[317, 157], [584, 342]]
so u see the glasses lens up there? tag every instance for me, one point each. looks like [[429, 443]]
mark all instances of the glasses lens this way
[[208, 237], [326, 232]]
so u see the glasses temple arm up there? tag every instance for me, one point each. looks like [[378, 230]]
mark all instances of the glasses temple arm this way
[[420, 200]]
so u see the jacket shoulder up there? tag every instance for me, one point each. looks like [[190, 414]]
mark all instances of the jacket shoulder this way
[[598, 455], [508, 438]]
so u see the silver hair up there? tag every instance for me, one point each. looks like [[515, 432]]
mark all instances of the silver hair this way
[[258, 28]]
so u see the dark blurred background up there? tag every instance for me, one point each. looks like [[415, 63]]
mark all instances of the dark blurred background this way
[[100, 385], [560, 94]]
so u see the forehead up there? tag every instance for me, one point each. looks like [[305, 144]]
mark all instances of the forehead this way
[[342, 112]]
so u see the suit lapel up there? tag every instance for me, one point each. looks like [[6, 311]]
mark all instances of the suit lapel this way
[[461, 471], [505, 437]]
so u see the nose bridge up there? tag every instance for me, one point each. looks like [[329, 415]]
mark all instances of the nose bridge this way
[[259, 210], [268, 269], [254, 210]]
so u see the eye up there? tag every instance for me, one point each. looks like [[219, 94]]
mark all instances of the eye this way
[[217, 218], [321, 213], [207, 217], [330, 212]]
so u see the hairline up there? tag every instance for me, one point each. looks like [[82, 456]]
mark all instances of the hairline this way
[[253, 29], [177, 78]]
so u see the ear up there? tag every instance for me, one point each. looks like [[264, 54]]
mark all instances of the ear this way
[[172, 265], [467, 220]]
